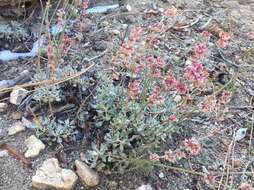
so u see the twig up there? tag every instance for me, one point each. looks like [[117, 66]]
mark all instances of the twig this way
[[49, 82], [227, 60]]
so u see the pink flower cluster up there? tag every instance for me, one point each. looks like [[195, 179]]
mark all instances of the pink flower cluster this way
[[171, 11], [209, 179], [193, 146], [127, 48], [155, 98], [134, 90], [173, 156], [196, 74], [155, 65], [210, 103], [156, 27], [171, 83], [225, 97], [200, 50], [65, 44], [224, 37]]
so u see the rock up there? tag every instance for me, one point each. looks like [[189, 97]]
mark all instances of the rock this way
[[17, 95], [34, 145], [3, 107], [145, 187], [100, 45], [88, 176], [50, 175], [238, 163], [3, 153], [128, 8], [16, 115], [178, 98], [11, 3], [16, 128]]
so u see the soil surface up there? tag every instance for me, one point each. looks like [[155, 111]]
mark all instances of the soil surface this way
[[239, 14]]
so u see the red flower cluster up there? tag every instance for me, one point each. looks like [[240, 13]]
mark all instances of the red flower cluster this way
[[197, 74], [155, 98], [193, 146], [224, 37], [134, 89]]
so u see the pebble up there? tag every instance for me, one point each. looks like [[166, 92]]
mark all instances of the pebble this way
[[3, 153], [88, 176], [178, 98], [100, 45], [3, 107], [34, 147], [17, 95], [128, 8], [50, 175], [16, 115], [145, 187], [16, 128]]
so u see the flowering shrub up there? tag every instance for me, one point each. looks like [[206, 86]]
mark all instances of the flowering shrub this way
[[135, 100]]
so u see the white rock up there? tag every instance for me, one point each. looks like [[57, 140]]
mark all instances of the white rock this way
[[3, 107], [17, 95], [145, 187], [34, 147], [88, 176], [178, 98], [128, 8], [240, 134], [3, 153], [50, 175], [16, 128]]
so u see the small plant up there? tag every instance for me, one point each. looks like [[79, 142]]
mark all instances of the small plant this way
[[59, 131]]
